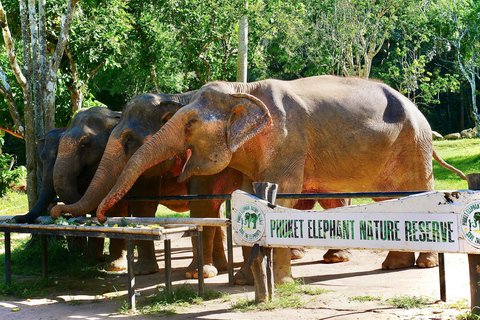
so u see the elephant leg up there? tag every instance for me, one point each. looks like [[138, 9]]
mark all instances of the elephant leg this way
[[427, 260], [118, 247], [147, 260], [95, 248], [118, 255], [211, 245], [244, 276], [398, 260], [335, 255], [219, 260]]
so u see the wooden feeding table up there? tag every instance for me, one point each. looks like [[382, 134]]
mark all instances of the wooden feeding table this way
[[165, 229]]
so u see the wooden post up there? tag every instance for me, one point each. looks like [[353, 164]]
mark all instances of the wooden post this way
[[261, 259], [130, 275], [168, 266], [474, 259], [201, 279], [228, 213]]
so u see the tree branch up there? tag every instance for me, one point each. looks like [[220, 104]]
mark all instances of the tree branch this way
[[12, 56]]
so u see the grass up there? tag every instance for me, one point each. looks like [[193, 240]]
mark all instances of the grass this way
[[290, 295], [409, 302], [168, 303], [365, 298], [27, 257]]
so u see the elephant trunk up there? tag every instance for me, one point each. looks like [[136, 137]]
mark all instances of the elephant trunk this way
[[47, 194], [105, 177], [166, 143]]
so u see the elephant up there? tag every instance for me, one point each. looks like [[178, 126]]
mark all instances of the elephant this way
[[142, 117], [80, 147], [317, 134], [47, 150]]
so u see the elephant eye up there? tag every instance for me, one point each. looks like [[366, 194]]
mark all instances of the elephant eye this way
[[85, 143]]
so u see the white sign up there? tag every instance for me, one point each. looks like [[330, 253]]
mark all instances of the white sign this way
[[424, 222]]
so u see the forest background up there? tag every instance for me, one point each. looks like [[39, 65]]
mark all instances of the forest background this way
[[59, 56]]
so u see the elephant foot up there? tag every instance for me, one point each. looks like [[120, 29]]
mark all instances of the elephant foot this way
[[220, 262], [398, 260], [297, 253], [145, 267], [427, 260], [209, 271], [119, 264], [282, 271], [244, 276], [335, 256]]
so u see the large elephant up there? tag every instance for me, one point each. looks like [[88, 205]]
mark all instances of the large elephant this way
[[81, 147], [142, 117], [318, 134]]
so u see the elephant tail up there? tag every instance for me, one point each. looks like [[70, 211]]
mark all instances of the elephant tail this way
[[442, 162]]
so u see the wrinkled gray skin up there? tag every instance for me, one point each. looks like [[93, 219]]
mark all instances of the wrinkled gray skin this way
[[318, 134], [47, 149], [141, 118]]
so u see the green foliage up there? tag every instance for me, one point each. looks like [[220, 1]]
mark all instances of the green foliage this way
[[464, 154], [365, 298], [286, 296], [183, 296], [409, 302], [8, 174]]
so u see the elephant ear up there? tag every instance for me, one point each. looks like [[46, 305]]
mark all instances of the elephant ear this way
[[248, 117], [172, 107]]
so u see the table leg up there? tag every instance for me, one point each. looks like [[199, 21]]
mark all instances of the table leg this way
[[168, 266], [8, 260], [130, 275]]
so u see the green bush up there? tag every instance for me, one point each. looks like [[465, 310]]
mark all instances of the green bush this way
[[8, 175]]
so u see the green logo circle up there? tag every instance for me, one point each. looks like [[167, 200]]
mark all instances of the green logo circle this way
[[470, 217], [250, 222]]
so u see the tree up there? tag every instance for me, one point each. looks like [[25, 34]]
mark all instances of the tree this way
[[38, 78], [347, 34], [458, 23]]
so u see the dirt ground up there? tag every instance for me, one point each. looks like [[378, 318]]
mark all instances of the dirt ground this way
[[102, 297]]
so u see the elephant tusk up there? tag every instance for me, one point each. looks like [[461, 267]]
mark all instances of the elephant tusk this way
[[189, 154]]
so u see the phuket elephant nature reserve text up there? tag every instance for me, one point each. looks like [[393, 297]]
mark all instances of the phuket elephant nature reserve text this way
[[385, 230]]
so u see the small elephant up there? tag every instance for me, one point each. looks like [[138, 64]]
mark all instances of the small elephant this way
[[142, 117], [68, 161], [317, 134]]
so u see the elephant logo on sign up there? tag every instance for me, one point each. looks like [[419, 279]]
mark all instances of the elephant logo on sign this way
[[473, 223], [250, 217]]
